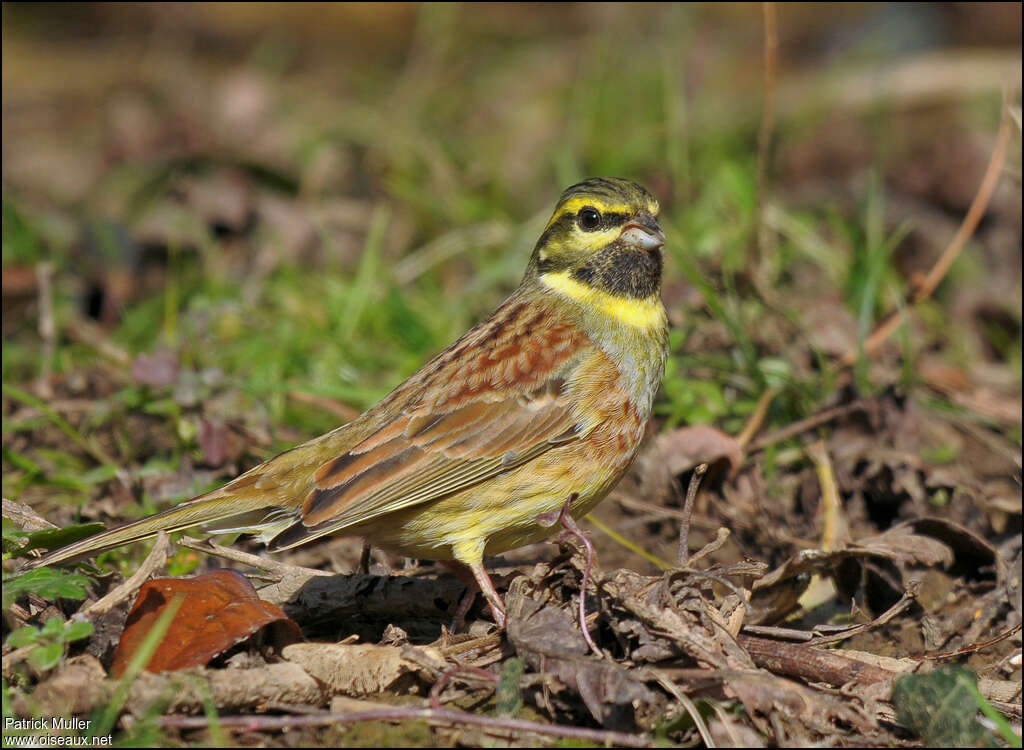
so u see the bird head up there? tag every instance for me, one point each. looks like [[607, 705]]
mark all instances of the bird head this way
[[604, 237]]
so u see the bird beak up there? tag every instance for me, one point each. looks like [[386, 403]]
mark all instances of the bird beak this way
[[644, 233]]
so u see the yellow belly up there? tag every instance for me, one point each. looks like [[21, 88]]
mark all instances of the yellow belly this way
[[503, 513]]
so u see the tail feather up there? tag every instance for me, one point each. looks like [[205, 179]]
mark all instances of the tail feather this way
[[264, 500], [213, 508]]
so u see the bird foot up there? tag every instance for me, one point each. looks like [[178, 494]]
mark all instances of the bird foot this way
[[572, 530]]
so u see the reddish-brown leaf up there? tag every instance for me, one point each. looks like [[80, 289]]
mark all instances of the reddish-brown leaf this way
[[220, 610]]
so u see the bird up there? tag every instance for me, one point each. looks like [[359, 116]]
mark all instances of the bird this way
[[537, 411]]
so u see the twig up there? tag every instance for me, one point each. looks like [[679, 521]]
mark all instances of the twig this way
[[245, 558], [779, 633], [896, 609], [974, 646], [810, 663], [764, 132], [153, 562], [689, 707], [437, 716], [482, 643], [721, 536], [970, 223], [364, 559], [757, 418], [805, 425], [459, 670], [684, 526], [815, 637], [47, 327]]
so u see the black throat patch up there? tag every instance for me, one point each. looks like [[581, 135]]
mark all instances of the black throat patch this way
[[623, 271]]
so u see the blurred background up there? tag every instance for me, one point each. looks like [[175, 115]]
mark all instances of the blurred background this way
[[230, 227]]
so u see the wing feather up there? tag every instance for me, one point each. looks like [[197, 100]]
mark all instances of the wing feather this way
[[491, 405]]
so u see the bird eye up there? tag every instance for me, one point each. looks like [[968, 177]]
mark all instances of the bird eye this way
[[589, 218]]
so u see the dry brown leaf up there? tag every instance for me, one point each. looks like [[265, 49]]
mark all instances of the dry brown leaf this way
[[77, 687], [899, 544], [671, 613], [545, 634], [220, 610], [687, 447], [928, 542], [777, 705], [973, 556], [358, 670]]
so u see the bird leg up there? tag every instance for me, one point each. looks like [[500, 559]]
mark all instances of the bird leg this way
[[572, 529], [477, 581], [490, 594]]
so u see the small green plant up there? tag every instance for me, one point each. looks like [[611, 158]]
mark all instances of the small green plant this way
[[942, 706], [18, 543], [509, 697], [48, 583], [49, 643]]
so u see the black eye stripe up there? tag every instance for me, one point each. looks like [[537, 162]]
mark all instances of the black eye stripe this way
[[615, 219], [610, 218]]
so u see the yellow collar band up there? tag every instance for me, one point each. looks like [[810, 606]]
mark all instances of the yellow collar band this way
[[640, 313]]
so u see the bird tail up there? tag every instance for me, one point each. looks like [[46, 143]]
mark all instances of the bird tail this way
[[222, 507]]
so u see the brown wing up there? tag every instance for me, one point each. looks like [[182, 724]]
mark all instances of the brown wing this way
[[496, 400]]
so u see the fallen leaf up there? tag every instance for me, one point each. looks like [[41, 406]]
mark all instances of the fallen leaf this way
[[774, 704], [221, 609], [899, 544], [687, 447], [358, 670], [973, 556], [24, 517], [546, 636]]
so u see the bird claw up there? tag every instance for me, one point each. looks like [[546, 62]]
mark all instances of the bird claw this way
[[573, 530], [549, 519]]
